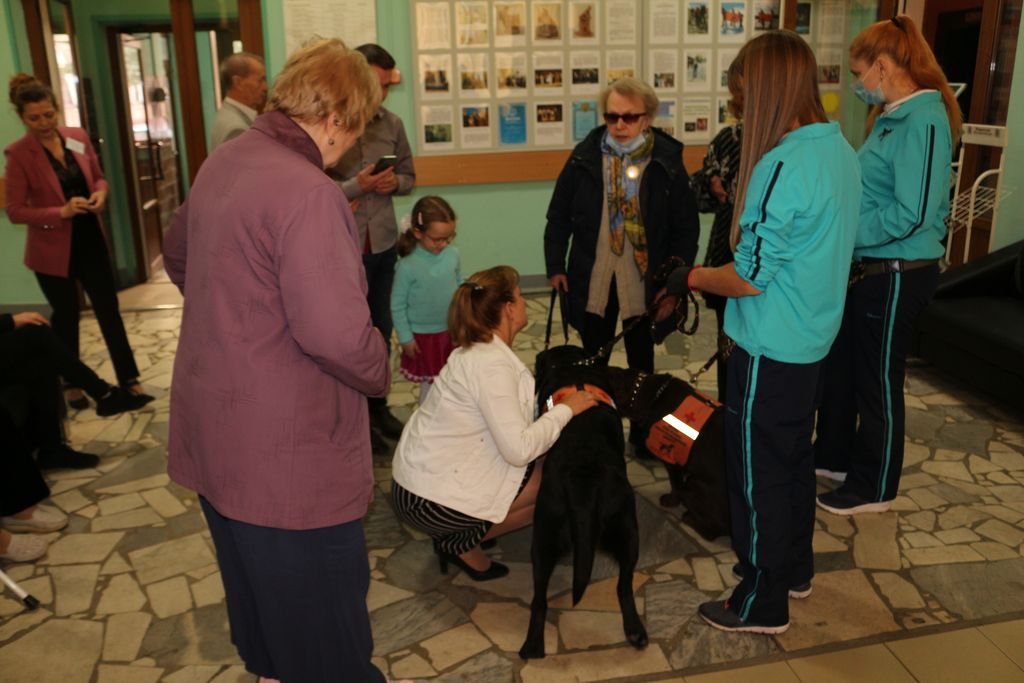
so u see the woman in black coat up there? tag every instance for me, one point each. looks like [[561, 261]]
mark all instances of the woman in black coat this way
[[621, 207]]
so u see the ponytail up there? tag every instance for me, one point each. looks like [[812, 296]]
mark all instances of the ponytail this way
[[475, 311], [901, 40]]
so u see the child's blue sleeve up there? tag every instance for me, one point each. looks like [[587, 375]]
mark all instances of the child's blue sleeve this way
[[400, 303], [766, 223]]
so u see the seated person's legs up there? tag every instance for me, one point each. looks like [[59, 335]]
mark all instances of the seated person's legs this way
[[21, 489]]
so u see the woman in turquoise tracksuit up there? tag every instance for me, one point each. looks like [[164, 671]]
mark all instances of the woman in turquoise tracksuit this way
[[799, 189], [905, 170]]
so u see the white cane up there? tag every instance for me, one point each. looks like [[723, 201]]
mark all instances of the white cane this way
[[30, 602]]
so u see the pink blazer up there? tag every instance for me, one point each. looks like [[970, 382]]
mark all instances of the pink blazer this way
[[34, 197]]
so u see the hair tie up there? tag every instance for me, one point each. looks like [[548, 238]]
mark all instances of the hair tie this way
[[419, 218], [476, 286]]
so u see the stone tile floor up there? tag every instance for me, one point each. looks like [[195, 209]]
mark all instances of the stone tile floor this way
[[131, 591]]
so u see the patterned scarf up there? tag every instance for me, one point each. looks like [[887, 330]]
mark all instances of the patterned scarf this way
[[623, 195]]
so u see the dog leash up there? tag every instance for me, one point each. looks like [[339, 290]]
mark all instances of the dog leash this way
[[560, 295], [606, 350]]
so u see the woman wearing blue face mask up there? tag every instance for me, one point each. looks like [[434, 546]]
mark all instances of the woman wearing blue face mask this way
[[623, 199], [905, 170]]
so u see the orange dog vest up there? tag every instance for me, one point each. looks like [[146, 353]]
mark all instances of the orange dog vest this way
[[563, 393], [672, 437]]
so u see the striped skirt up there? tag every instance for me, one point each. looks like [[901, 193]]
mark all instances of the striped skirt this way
[[453, 532]]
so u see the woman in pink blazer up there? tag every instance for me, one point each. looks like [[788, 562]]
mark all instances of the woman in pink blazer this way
[[55, 185]]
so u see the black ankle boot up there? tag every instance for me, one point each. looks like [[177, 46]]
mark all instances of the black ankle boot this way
[[120, 400]]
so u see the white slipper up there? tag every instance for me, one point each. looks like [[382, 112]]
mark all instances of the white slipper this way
[[44, 519], [24, 548]]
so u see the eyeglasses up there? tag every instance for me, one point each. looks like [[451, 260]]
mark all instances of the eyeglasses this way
[[611, 118], [440, 240]]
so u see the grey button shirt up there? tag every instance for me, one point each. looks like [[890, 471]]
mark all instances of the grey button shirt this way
[[384, 134]]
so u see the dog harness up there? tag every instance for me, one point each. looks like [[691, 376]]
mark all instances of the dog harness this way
[[672, 437], [563, 393]]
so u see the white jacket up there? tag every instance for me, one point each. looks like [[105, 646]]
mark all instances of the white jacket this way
[[468, 445]]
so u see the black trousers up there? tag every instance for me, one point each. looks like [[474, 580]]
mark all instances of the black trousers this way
[[862, 419], [297, 599], [599, 330], [380, 276], [90, 265], [21, 484], [32, 357], [770, 469]]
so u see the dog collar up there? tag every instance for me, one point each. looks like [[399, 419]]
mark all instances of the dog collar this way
[[563, 393]]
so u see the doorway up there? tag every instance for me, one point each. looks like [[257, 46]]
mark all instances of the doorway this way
[[149, 136]]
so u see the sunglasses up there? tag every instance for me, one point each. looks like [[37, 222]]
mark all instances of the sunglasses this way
[[612, 118]]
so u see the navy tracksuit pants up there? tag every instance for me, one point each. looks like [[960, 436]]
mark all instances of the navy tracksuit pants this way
[[770, 467], [865, 371]]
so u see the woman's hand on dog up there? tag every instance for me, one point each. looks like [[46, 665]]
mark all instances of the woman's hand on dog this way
[[580, 401]]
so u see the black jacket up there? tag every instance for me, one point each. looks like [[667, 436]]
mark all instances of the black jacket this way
[[666, 202]]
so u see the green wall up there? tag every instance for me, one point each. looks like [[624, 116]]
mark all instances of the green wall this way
[[17, 283]]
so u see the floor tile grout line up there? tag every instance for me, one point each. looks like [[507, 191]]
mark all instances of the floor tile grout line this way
[[998, 647]]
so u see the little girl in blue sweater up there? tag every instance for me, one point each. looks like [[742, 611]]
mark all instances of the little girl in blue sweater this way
[[425, 280]]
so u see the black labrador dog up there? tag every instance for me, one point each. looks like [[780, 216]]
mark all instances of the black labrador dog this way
[[585, 500], [700, 485]]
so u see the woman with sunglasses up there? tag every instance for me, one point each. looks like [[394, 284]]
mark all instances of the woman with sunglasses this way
[[905, 165], [623, 199]]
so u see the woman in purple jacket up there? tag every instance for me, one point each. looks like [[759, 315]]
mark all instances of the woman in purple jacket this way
[[276, 357]]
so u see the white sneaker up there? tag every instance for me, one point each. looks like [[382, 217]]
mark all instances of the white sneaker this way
[[829, 474], [24, 548], [44, 519]]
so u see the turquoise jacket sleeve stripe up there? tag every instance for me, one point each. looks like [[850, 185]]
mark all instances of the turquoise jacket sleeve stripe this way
[[769, 221], [917, 192], [905, 169]]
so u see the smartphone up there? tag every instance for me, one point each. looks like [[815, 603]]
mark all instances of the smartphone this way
[[384, 163]]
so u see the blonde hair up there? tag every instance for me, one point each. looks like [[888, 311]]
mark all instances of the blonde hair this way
[[901, 40], [425, 211], [324, 78], [475, 311], [779, 79], [632, 88]]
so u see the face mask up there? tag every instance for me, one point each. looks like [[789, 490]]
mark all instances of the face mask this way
[[871, 97], [624, 148]]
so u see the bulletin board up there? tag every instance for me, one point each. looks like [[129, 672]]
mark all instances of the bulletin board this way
[[499, 77]]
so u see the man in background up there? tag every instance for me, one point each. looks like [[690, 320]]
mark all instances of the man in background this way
[[371, 194], [243, 80]]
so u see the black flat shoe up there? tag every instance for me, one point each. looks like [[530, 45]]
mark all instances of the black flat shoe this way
[[495, 571], [65, 458], [120, 401]]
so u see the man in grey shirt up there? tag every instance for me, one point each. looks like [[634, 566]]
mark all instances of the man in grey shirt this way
[[375, 214], [243, 80]]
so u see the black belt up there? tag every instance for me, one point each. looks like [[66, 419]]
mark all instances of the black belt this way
[[877, 266]]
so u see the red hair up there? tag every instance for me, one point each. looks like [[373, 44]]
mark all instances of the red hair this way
[[901, 40]]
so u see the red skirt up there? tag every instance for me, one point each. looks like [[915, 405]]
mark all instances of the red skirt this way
[[425, 365]]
